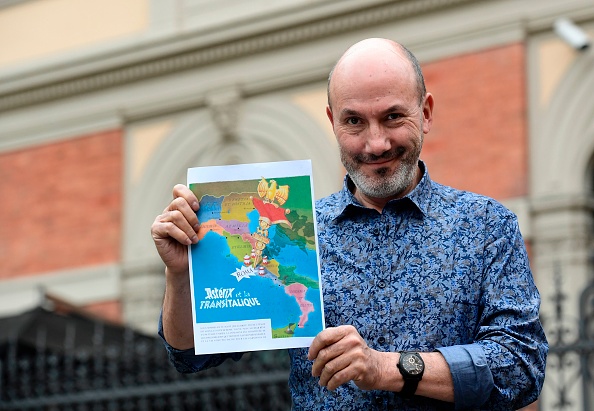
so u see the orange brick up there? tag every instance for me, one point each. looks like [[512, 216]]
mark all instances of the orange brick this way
[[479, 136], [61, 205]]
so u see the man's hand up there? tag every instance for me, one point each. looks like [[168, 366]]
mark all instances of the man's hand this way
[[341, 355], [176, 228]]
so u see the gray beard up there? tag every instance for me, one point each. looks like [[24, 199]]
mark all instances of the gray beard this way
[[382, 185]]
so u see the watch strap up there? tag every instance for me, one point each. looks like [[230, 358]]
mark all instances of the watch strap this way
[[409, 388], [411, 382]]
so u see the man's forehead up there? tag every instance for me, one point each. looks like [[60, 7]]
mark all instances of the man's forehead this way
[[362, 68], [372, 58]]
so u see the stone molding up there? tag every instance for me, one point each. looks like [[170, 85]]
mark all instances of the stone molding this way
[[6, 3], [224, 107], [134, 69], [582, 202], [196, 141], [127, 82], [83, 285], [561, 203], [156, 56]]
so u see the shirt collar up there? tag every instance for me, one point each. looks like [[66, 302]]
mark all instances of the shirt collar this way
[[419, 196]]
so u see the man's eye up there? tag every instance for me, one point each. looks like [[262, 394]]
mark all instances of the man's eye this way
[[353, 121], [394, 116]]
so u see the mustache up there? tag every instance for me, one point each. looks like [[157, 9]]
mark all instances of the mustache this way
[[387, 155]]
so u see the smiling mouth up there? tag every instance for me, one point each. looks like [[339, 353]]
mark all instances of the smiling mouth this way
[[381, 162], [385, 158]]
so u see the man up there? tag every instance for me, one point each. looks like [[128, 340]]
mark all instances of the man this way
[[429, 299]]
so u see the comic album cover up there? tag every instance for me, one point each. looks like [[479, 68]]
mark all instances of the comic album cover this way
[[255, 272]]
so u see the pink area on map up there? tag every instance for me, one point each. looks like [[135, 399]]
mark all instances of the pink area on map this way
[[298, 291], [207, 227], [234, 226], [249, 238]]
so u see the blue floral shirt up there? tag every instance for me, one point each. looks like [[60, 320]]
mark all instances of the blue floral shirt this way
[[440, 269]]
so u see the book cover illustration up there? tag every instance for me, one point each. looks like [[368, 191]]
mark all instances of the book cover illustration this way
[[254, 273]]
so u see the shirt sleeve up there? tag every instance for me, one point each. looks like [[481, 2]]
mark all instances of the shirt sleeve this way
[[185, 361], [473, 381], [509, 337]]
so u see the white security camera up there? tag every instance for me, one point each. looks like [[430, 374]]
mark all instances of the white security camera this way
[[572, 34]]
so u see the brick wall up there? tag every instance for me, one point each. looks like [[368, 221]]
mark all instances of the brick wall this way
[[479, 136], [61, 205]]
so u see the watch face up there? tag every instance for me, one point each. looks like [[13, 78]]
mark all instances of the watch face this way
[[412, 363]]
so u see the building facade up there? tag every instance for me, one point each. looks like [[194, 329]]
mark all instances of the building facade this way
[[103, 107]]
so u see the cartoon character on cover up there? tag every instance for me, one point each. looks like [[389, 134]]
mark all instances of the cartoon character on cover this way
[[270, 213]]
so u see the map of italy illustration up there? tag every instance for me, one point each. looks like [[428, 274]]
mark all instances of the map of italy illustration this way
[[256, 256]]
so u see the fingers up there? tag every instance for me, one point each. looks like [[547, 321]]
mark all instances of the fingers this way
[[178, 220], [339, 371], [328, 337], [340, 354], [173, 224], [362, 365], [182, 191]]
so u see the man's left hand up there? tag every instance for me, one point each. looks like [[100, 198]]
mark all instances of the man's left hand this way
[[340, 355]]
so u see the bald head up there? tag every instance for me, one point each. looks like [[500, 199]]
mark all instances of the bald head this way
[[374, 53]]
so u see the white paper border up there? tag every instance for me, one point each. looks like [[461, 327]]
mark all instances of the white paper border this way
[[239, 172]]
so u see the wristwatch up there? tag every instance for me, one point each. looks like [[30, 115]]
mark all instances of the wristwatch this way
[[412, 367]]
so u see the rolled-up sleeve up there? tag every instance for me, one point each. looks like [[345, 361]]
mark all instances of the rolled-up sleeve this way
[[472, 377], [509, 332]]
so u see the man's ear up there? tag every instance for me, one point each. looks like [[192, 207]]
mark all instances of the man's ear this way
[[428, 113], [330, 116]]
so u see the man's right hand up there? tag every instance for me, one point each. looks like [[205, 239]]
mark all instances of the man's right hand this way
[[176, 228]]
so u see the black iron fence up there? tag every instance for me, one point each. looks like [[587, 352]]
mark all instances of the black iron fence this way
[[570, 364], [52, 362], [96, 367]]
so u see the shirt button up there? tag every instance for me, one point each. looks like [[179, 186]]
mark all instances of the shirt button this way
[[381, 284], [381, 340]]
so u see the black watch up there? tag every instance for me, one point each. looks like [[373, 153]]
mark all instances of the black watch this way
[[412, 367]]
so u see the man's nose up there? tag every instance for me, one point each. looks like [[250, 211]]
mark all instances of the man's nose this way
[[377, 140]]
